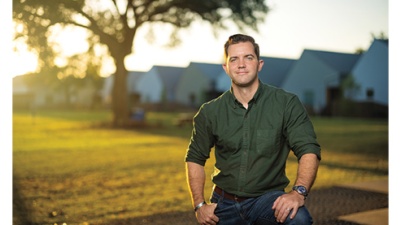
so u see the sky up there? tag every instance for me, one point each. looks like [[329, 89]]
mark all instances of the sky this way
[[290, 27]]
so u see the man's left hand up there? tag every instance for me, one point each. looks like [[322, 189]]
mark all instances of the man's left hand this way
[[286, 204]]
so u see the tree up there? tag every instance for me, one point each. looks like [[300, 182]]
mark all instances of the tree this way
[[380, 36], [114, 23], [349, 87]]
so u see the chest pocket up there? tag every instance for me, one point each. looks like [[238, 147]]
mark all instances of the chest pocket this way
[[268, 141]]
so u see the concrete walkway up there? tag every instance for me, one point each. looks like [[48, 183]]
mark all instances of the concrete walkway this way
[[372, 217]]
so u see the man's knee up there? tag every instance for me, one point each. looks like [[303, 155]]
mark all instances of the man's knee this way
[[302, 217]]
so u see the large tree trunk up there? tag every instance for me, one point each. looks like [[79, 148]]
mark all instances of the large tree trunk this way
[[120, 104]]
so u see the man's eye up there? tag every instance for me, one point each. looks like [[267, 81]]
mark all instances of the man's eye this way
[[249, 57]]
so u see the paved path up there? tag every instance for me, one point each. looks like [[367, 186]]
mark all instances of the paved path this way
[[342, 205], [370, 217]]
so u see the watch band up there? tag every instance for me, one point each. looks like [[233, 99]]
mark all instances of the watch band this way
[[301, 190], [199, 206]]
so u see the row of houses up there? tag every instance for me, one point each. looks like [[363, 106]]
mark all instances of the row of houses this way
[[31, 92], [321, 79], [317, 77]]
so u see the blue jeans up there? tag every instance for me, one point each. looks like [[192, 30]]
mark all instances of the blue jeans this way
[[255, 211]]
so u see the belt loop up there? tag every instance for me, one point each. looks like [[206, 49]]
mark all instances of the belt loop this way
[[221, 196]]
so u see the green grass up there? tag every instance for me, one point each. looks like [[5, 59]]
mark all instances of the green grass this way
[[353, 150], [69, 167]]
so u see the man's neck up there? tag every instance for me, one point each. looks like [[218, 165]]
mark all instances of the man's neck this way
[[245, 94]]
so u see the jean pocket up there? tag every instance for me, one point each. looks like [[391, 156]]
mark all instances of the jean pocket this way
[[214, 197]]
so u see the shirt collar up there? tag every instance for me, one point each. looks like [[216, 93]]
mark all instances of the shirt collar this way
[[256, 97]]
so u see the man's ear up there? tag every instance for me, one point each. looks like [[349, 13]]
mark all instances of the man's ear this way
[[260, 64], [224, 66]]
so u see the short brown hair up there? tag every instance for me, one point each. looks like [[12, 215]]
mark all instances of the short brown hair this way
[[237, 38]]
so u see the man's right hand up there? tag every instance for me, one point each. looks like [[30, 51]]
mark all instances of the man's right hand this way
[[205, 214]]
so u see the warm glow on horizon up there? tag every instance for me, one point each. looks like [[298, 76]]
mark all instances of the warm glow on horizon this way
[[23, 62], [312, 24]]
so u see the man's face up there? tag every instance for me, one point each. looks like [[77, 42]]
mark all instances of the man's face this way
[[242, 64]]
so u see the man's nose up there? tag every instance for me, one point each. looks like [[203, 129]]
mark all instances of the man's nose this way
[[241, 64]]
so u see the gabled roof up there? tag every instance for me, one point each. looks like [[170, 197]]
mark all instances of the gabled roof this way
[[134, 76], [20, 79], [384, 41], [341, 62], [132, 79], [169, 75], [275, 70], [19, 84], [208, 69]]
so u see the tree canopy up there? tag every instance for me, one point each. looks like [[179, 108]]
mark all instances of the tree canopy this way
[[114, 23]]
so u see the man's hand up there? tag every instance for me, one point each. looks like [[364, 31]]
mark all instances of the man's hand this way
[[205, 214], [287, 203]]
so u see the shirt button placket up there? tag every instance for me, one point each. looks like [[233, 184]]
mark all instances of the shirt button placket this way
[[245, 149]]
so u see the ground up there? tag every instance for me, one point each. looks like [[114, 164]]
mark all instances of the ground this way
[[325, 205]]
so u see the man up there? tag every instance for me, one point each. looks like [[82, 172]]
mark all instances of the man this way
[[253, 127]]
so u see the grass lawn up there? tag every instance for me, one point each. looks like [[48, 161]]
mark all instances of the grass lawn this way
[[69, 167]]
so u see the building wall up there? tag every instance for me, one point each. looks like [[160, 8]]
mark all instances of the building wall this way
[[150, 87], [309, 79], [191, 86], [372, 74]]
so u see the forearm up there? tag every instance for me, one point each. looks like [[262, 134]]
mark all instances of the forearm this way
[[307, 170], [195, 175]]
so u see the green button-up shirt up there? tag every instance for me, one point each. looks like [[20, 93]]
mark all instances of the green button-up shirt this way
[[252, 145]]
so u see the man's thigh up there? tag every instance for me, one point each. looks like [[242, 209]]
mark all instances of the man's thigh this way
[[263, 214], [247, 212], [228, 212], [255, 211]]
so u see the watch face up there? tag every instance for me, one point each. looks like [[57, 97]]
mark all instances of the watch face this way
[[302, 190]]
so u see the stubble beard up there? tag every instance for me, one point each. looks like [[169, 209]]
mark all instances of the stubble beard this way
[[245, 84]]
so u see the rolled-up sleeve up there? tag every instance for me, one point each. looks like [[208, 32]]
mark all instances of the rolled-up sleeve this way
[[299, 129], [201, 140]]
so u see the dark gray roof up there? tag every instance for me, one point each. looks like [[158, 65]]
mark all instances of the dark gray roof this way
[[275, 70], [385, 41], [169, 75], [208, 69], [134, 76], [132, 79], [341, 62]]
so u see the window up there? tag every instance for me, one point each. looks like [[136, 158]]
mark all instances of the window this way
[[370, 93]]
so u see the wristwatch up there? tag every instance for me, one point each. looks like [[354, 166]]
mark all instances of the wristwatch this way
[[301, 190]]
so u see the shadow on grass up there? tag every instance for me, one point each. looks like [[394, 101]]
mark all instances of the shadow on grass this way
[[173, 218], [21, 214], [343, 166], [325, 206], [376, 171]]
